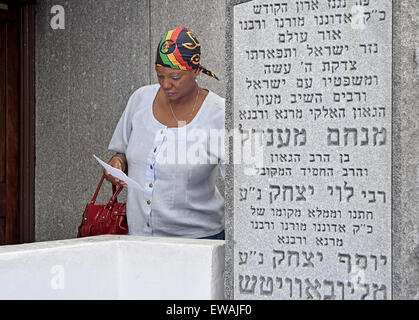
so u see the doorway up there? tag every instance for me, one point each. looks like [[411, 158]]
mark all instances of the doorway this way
[[16, 122]]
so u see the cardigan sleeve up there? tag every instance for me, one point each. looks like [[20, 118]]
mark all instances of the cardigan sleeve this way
[[122, 133]]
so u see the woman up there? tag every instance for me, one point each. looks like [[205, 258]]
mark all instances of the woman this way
[[157, 139]]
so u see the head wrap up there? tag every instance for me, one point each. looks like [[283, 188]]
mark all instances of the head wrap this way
[[180, 49]]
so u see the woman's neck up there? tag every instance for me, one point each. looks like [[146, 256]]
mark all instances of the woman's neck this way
[[187, 101]]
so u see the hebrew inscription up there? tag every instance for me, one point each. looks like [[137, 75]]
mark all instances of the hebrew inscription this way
[[313, 105]]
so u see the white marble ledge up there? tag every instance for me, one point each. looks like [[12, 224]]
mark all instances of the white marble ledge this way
[[114, 267]]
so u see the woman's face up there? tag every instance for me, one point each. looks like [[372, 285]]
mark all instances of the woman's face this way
[[176, 84]]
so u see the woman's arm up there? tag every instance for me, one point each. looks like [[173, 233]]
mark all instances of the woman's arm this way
[[118, 161]]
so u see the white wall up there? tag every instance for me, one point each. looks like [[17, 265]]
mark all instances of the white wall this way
[[113, 267]]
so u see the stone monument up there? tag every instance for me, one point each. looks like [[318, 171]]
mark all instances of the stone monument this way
[[311, 101]]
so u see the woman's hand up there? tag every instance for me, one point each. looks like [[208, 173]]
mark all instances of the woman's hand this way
[[118, 161]]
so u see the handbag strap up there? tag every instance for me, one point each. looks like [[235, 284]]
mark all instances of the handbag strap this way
[[114, 199], [97, 190], [115, 192], [109, 206]]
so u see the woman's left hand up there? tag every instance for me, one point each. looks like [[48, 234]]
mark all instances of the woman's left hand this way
[[116, 163]]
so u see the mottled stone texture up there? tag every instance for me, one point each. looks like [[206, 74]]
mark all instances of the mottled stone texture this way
[[405, 150], [229, 181], [405, 167], [84, 77], [85, 74]]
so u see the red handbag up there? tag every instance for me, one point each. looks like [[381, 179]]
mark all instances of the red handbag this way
[[104, 219]]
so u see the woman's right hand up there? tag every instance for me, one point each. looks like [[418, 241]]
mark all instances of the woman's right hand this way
[[116, 163]]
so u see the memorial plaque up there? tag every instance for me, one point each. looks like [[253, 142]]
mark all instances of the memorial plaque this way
[[312, 174]]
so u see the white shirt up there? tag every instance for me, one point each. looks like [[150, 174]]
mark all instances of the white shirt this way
[[177, 168]]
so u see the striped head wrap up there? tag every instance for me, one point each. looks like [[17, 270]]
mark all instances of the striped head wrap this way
[[180, 49]]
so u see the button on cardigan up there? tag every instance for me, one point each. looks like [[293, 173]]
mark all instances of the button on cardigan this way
[[177, 168]]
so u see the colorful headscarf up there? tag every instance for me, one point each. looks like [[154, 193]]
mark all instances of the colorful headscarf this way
[[180, 49]]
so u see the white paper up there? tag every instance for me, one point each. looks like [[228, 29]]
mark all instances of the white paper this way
[[119, 174]]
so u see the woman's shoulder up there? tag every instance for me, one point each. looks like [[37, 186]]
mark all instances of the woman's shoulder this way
[[141, 97], [215, 110], [145, 91], [216, 101]]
